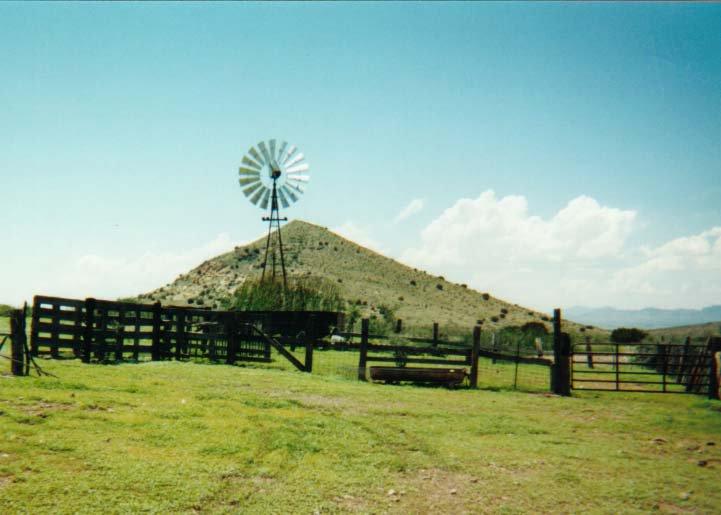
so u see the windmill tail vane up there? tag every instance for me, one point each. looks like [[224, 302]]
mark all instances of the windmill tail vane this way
[[271, 173]]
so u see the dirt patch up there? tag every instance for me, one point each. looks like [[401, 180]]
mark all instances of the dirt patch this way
[[667, 507], [436, 491]]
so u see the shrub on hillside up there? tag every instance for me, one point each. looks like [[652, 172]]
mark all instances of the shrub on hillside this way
[[494, 319], [486, 296], [439, 286], [302, 294], [504, 311], [627, 335], [535, 328]]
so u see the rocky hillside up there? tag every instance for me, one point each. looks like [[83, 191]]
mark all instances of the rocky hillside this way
[[366, 278]]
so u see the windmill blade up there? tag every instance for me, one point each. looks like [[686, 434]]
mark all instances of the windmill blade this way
[[251, 163], [250, 189], [264, 202], [282, 148], [254, 199], [281, 196], [271, 145], [297, 168], [264, 150], [295, 187], [299, 178], [248, 180], [290, 194], [298, 157], [256, 156], [289, 153], [248, 171]]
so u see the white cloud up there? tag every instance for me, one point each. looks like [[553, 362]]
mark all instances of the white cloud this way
[[577, 256], [359, 234], [413, 207], [102, 276], [683, 272], [487, 230]]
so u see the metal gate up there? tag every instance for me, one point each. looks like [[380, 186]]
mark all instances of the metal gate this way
[[639, 367]]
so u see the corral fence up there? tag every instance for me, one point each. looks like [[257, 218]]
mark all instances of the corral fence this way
[[106, 331], [101, 330], [693, 366]]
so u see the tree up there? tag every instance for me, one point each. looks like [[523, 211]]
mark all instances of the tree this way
[[627, 335]]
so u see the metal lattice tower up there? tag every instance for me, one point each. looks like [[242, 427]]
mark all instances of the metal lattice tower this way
[[273, 174]]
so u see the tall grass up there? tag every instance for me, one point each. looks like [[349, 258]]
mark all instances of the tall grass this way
[[301, 294]]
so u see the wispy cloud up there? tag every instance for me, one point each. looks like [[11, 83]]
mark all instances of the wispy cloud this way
[[413, 207]]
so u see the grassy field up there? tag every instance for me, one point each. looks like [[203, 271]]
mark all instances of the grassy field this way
[[189, 437]]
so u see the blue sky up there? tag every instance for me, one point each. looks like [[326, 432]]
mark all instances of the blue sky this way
[[122, 126]]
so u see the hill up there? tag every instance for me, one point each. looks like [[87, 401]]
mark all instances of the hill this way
[[367, 280], [694, 331], [647, 318]]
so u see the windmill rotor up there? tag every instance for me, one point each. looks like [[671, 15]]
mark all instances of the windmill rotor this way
[[272, 172], [271, 165]]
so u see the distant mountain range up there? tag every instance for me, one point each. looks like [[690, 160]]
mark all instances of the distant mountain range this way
[[647, 318]]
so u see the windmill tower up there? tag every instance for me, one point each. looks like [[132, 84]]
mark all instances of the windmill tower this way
[[273, 175]]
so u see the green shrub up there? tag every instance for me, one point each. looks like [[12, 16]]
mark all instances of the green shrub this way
[[302, 294], [535, 328], [627, 335]]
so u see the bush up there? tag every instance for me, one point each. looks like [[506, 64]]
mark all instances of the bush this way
[[486, 296], [535, 328], [627, 335], [413, 283], [302, 294], [5, 310], [504, 311], [494, 319], [439, 286]]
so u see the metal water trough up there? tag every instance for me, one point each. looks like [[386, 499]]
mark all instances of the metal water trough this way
[[447, 376]]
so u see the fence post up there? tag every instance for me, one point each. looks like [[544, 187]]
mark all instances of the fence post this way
[[714, 347], [684, 360], [474, 356], [89, 328], [363, 355], [54, 337], [663, 354], [119, 340], [589, 352], [180, 337], [232, 335], [18, 342], [435, 333], [308, 353], [561, 370], [155, 349], [34, 327], [399, 325]]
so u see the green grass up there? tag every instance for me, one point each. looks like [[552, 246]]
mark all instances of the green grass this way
[[185, 437]]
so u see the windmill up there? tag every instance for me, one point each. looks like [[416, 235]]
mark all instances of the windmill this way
[[269, 174]]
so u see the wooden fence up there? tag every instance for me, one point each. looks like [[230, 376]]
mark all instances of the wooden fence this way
[[106, 330]]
